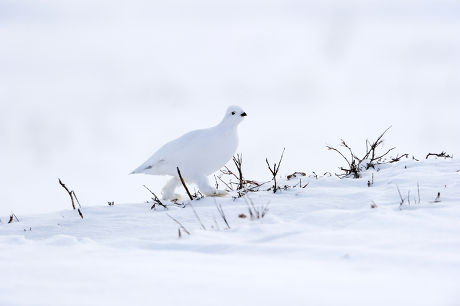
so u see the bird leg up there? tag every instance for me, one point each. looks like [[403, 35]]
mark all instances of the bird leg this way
[[168, 190], [207, 189]]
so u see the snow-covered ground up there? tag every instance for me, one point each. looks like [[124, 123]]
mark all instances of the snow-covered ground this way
[[321, 245]]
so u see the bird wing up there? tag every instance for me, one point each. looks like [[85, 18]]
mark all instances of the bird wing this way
[[172, 151]]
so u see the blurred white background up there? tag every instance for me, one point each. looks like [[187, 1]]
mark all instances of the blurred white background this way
[[90, 89]]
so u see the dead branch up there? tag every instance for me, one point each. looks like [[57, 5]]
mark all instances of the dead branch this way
[[69, 192], [438, 198], [222, 214], [400, 196], [183, 184], [73, 198], [238, 161], [442, 154], [197, 217], [295, 174], [397, 158], [180, 224], [12, 218], [155, 199], [256, 212], [274, 170]]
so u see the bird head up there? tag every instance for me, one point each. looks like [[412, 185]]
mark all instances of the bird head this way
[[234, 114]]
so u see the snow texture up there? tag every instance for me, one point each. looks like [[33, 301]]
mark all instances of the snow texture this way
[[319, 245]]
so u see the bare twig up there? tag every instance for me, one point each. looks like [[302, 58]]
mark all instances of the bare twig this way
[[399, 157], [183, 183], [256, 212], [400, 196], [295, 174], [274, 170], [180, 224], [442, 154], [12, 218], [238, 161], [418, 191], [438, 198], [73, 198], [155, 199], [222, 214], [68, 191], [197, 217]]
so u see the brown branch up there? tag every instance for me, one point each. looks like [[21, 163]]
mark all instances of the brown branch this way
[[183, 184], [274, 170], [155, 199], [12, 217], [68, 191], [73, 198], [442, 154], [238, 161]]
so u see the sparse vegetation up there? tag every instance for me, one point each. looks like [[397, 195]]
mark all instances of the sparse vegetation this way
[[442, 155], [155, 199], [256, 212], [274, 171], [12, 218], [73, 198], [371, 159]]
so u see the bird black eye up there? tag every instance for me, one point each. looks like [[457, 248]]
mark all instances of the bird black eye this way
[[233, 113]]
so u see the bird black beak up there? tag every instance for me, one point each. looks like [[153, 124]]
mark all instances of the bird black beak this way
[[244, 115]]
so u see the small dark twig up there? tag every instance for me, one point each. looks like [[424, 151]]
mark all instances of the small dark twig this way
[[274, 170], [197, 217], [180, 224], [442, 154], [155, 199], [256, 212], [369, 160], [183, 183], [295, 174], [68, 191], [399, 192], [438, 198], [12, 218], [222, 214], [73, 198], [238, 161]]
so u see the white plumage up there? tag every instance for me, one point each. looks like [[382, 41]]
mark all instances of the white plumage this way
[[197, 154]]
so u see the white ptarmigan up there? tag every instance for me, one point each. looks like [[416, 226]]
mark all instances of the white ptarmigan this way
[[197, 154]]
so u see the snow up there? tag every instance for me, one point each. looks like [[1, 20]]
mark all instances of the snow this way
[[321, 245]]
